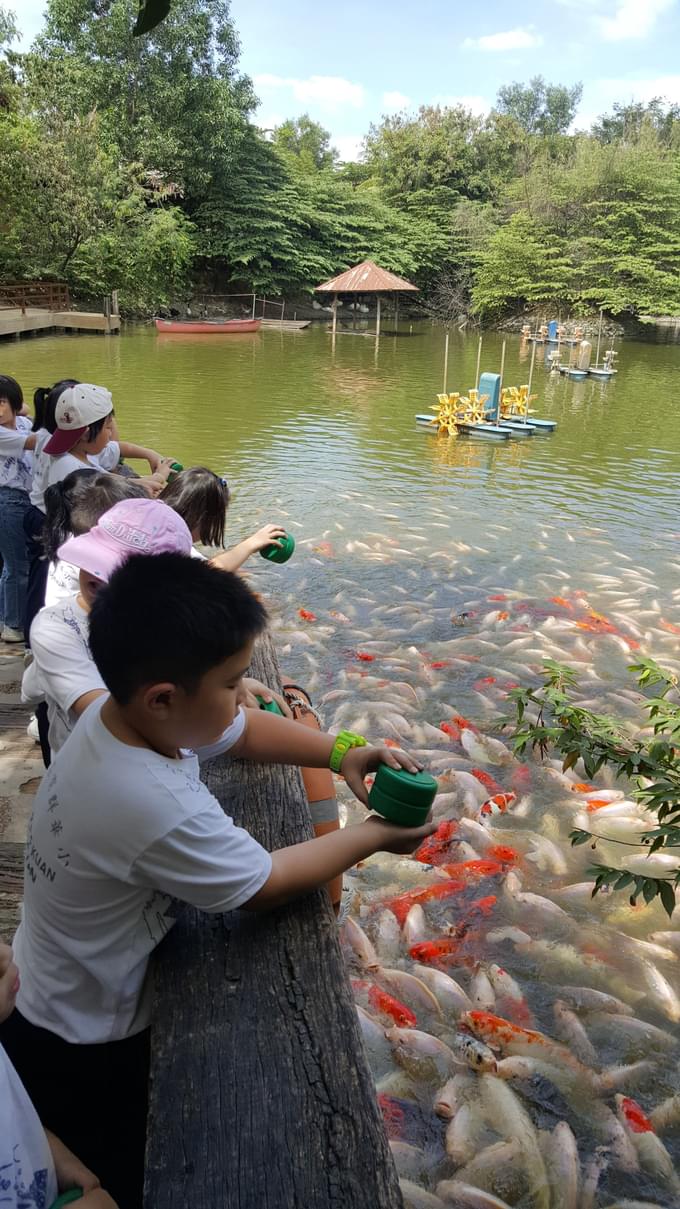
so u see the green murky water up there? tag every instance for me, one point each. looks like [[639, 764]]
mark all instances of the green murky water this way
[[283, 416]]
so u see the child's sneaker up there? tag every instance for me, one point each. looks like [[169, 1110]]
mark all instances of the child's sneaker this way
[[10, 635], [32, 729]]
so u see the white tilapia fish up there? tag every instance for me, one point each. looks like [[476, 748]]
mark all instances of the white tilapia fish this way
[[509, 1118], [563, 1166]]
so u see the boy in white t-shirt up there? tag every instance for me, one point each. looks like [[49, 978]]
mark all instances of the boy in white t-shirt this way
[[34, 1165], [123, 826]]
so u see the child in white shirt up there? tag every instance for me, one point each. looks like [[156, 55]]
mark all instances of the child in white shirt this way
[[123, 826], [35, 1166]]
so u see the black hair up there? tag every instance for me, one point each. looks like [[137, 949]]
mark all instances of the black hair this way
[[12, 392], [96, 426], [167, 617], [201, 498], [45, 400], [76, 503]]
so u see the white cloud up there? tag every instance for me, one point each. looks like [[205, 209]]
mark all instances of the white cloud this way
[[521, 38], [598, 98], [476, 104], [330, 92], [396, 100], [348, 146], [632, 19]]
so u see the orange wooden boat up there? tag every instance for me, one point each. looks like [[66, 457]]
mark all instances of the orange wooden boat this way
[[220, 328]]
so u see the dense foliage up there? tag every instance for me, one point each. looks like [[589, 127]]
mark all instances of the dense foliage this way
[[547, 719], [133, 163]]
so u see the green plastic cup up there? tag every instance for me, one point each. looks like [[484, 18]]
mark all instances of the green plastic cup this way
[[272, 707], [175, 468], [402, 797], [66, 1198], [279, 554]]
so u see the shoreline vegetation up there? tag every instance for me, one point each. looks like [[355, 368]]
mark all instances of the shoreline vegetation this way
[[133, 164]]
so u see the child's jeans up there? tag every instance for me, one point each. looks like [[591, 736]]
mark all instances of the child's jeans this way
[[13, 507]]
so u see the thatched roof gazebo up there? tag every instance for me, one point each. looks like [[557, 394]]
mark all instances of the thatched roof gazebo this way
[[365, 278]]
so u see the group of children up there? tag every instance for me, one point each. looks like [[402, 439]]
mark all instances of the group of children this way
[[140, 659]]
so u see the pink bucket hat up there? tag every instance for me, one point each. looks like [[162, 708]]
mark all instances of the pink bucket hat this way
[[130, 527]]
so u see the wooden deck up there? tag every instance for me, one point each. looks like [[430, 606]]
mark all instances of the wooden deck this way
[[35, 319]]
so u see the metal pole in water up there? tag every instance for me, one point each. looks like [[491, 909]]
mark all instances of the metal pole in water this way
[[599, 337], [335, 313], [254, 301], [446, 361], [479, 363], [502, 363]]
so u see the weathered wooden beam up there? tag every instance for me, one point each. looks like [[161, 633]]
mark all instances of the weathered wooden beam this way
[[261, 1097]]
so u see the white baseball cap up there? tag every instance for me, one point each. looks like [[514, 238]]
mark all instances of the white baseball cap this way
[[77, 408]]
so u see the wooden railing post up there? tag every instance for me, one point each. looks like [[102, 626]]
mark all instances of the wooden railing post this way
[[261, 1096]]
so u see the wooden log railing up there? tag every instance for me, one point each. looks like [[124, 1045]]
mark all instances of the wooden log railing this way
[[48, 295], [261, 1097]]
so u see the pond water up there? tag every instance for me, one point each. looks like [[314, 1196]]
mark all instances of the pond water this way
[[439, 572]]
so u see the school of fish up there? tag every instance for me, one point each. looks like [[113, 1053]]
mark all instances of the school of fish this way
[[523, 1038]]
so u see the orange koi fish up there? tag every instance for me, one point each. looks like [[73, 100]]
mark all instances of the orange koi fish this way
[[583, 787], [365, 657], [498, 804], [393, 1115], [669, 627], [564, 604], [324, 548], [636, 1119], [338, 616], [450, 729], [521, 778], [306, 615], [401, 905], [402, 1016], [463, 723], [479, 685], [391, 743], [502, 615], [429, 952], [434, 849], [486, 780], [499, 596], [504, 854], [473, 871], [497, 1031], [440, 663], [594, 804]]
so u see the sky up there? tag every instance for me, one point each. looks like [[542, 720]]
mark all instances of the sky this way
[[349, 64]]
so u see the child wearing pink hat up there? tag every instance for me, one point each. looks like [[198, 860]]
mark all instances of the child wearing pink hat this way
[[62, 672]]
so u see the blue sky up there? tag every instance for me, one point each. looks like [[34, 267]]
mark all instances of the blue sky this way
[[348, 64]]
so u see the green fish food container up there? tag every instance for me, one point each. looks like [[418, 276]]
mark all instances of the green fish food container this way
[[67, 1198], [402, 797], [279, 554]]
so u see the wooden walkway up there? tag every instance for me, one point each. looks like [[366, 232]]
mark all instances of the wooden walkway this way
[[35, 319], [261, 1096]]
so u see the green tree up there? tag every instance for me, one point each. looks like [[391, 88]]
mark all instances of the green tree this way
[[539, 108], [519, 267], [172, 100], [305, 143]]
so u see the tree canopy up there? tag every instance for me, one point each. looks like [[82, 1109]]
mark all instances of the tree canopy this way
[[134, 163]]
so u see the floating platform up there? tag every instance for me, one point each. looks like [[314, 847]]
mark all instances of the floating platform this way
[[604, 374], [35, 319], [286, 325]]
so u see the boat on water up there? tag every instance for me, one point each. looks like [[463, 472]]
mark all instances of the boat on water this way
[[220, 327]]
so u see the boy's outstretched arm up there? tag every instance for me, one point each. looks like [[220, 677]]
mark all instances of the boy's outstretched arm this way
[[304, 867], [273, 740]]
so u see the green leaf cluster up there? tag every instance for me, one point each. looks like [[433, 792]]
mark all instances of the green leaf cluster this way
[[546, 719]]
